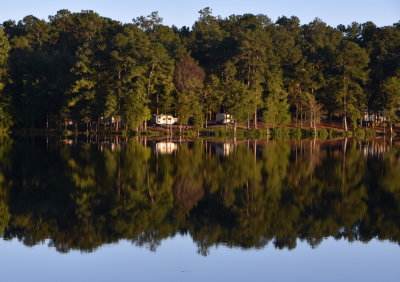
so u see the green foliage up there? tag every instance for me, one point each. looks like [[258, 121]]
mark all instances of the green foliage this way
[[351, 67], [134, 107], [322, 133], [212, 95], [147, 133], [82, 102], [364, 133], [221, 132], [334, 133], [92, 69], [237, 99], [276, 112], [256, 133], [284, 133], [280, 133], [188, 80], [295, 133], [241, 133], [4, 49], [382, 47], [66, 132], [391, 90], [6, 119]]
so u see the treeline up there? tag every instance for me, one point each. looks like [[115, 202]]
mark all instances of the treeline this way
[[81, 197], [84, 69]]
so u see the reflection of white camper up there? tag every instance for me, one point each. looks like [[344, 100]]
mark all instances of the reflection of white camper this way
[[164, 119], [224, 118], [224, 149], [165, 147]]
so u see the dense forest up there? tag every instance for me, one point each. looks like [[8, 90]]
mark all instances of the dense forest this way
[[81, 197], [83, 69]]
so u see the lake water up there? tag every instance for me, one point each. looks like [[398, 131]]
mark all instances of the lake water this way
[[208, 210]]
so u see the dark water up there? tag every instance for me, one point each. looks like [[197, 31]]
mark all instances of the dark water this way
[[148, 210]]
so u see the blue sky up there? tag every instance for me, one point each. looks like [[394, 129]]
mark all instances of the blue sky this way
[[185, 12]]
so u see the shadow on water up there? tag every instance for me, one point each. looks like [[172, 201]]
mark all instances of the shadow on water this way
[[81, 194]]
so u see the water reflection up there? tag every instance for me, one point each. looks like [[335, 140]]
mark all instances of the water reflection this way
[[245, 194], [164, 147]]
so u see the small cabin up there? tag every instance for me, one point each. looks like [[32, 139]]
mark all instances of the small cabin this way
[[223, 118], [163, 119]]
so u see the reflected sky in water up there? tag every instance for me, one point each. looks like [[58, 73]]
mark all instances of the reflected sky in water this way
[[176, 260]]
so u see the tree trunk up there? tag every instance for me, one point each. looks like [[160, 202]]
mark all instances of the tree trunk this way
[[315, 130], [344, 114], [157, 100], [301, 115], [234, 130], [206, 120], [255, 117], [301, 110], [345, 103], [116, 125], [344, 167], [255, 154], [148, 90]]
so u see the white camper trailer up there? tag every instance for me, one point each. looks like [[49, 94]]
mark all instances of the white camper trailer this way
[[164, 119], [224, 118]]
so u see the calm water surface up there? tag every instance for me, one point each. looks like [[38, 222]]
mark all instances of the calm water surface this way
[[164, 210]]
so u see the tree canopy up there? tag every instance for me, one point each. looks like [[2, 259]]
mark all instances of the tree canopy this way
[[85, 68]]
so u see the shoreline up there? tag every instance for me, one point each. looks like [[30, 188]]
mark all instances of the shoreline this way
[[215, 132]]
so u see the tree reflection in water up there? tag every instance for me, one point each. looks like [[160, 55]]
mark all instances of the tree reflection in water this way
[[244, 194]]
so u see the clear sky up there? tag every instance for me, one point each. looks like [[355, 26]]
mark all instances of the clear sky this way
[[185, 12]]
